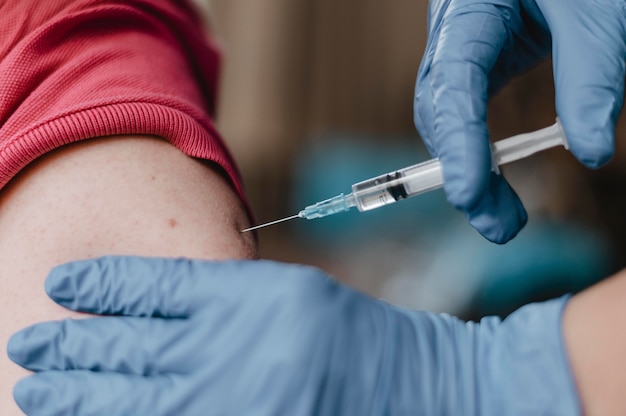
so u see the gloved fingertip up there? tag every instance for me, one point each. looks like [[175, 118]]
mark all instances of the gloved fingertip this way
[[14, 347], [496, 231], [22, 393], [61, 283], [32, 395], [500, 215], [592, 147], [588, 117], [29, 346]]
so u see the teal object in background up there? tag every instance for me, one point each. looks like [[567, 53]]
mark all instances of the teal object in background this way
[[467, 276], [546, 260], [333, 163], [429, 256]]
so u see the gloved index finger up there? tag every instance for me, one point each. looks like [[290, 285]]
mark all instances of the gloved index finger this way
[[470, 40], [133, 286]]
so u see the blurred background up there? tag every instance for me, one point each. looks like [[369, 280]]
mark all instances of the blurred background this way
[[318, 94]]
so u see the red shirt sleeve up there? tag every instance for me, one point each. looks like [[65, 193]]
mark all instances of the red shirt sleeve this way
[[78, 69]]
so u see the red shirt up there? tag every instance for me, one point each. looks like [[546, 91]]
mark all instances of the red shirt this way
[[77, 69]]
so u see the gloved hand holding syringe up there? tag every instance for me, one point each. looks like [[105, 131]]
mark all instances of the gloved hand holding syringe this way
[[423, 177]]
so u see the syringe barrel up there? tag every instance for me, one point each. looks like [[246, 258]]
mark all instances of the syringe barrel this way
[[427, 176], [391, 187]]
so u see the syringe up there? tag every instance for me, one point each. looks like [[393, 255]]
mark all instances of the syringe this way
[[423, 177]]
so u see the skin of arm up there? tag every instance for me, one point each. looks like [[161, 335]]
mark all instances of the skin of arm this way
[[134, 195], [593, 328]]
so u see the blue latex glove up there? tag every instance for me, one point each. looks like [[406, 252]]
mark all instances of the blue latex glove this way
[[264, 338], [474, 48]]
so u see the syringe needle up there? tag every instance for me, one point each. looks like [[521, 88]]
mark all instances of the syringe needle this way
[[270, 223]]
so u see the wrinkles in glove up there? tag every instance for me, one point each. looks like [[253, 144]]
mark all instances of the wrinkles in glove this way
[[185, 337], [474, 48]]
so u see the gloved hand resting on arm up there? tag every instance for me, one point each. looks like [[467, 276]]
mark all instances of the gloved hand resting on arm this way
[[238, 338], [474, 48]]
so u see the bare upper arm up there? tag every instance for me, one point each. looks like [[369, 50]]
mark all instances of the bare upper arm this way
[[594, 330], [133, 195]]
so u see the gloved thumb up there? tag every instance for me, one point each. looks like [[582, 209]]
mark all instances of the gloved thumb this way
[[589, 76]]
